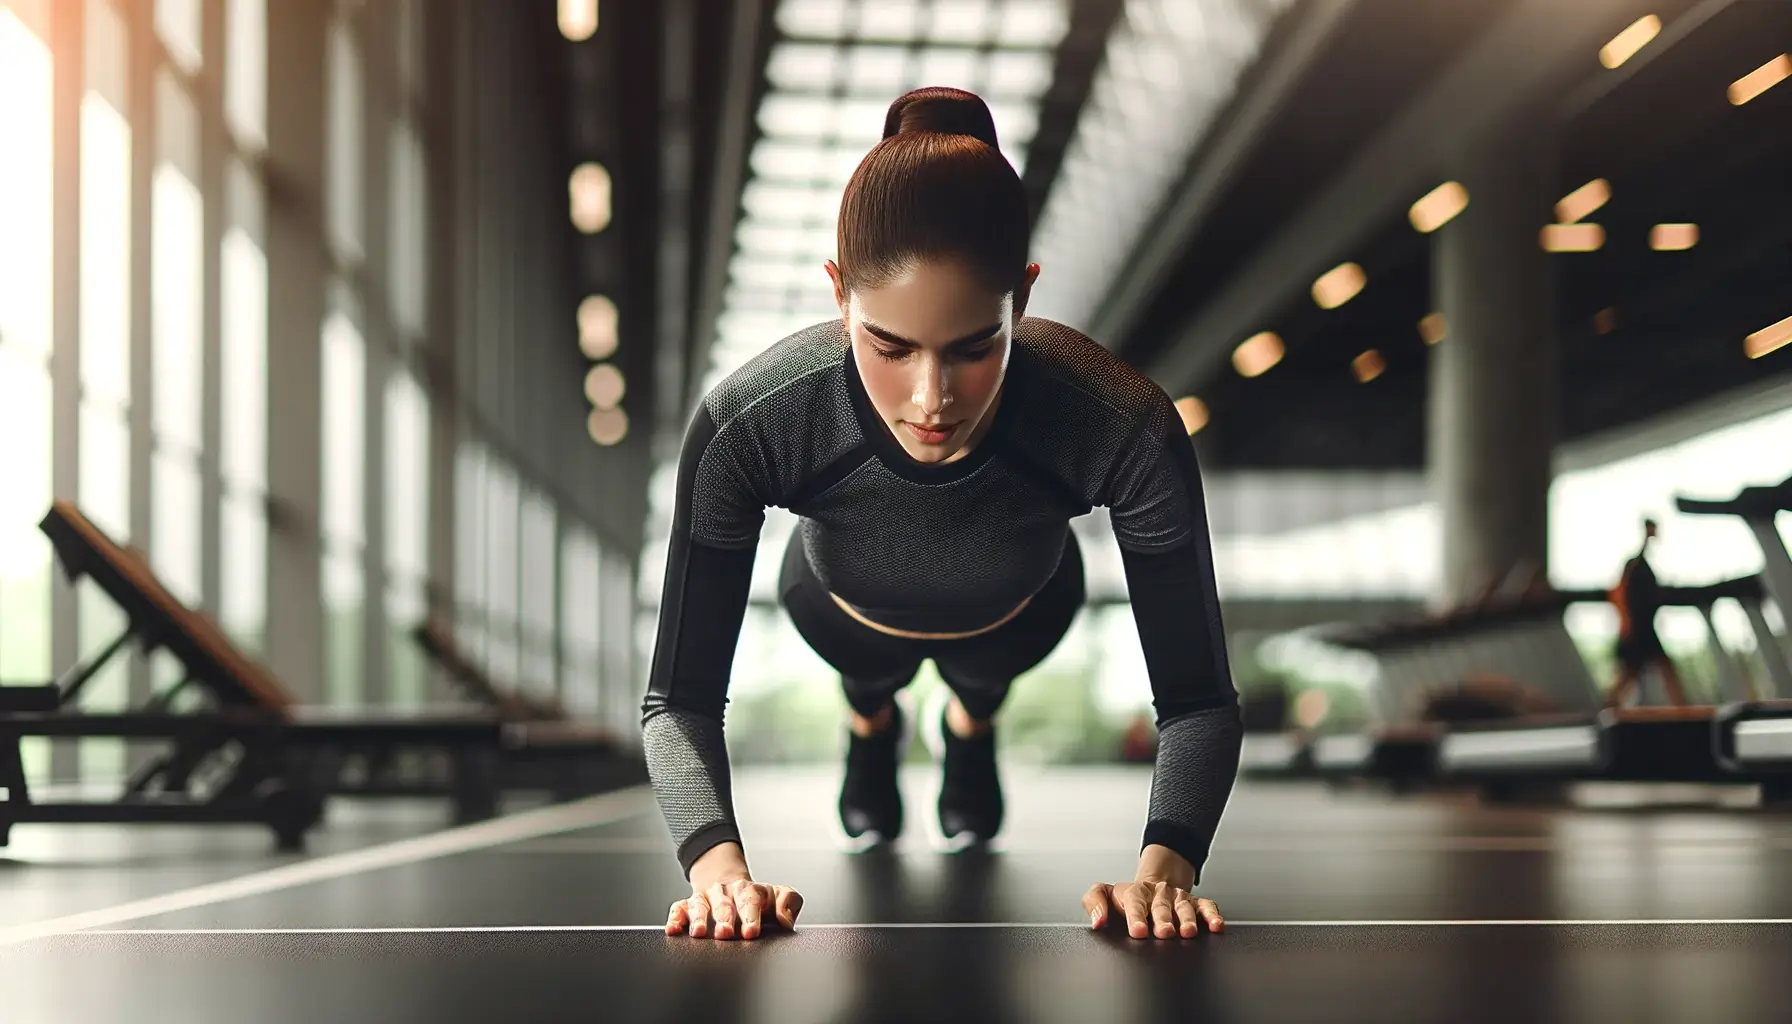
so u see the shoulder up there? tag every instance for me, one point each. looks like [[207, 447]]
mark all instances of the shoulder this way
[[791, 371], [1081, 377]]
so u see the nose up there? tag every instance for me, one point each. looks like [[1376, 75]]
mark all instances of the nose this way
[[932, 393]]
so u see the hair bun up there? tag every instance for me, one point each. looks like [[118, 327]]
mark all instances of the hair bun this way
[[941, 109]]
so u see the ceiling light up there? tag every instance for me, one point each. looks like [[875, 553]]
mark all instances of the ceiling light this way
[[1583, 200], [1368, 366], [1625, 44], [1768, 339], [812, 17], [589, 188], [1572, 237], [1673, 237], [1338, 285], [1193, 412], [802, 67], [578, 19], [1438, 206], [1256, 354], [1041, 23], [1761, 79], [604, 386], [607, 426], [1433, 328], [597, 327]]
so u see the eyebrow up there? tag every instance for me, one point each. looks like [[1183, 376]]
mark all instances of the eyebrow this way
[[896, 339]]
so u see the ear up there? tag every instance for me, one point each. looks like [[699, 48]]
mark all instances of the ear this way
[[1025, 291], [839, 285]]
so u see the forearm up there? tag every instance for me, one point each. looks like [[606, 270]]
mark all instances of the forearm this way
[[687, 761], [1197, 764]]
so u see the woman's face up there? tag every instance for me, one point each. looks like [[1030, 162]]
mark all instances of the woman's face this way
[[932, 347]]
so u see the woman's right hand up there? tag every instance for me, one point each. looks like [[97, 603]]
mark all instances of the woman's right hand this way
[[723, 890]]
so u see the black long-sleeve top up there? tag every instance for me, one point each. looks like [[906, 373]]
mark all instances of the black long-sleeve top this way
[[940, 548]]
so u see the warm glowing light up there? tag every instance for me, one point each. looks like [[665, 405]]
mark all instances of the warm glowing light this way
[[1193, 412], [1583, 200], [607, 426], [589, 188], [1433, 328], [1768, 339], [1572, 237], [1256, 354], [604, 386], [1338, 285], [1438, 206], [1368, 366], [1761, 79], [1606, 320], [1673, 237], [597, 327], [578, 19], [1625, 44]]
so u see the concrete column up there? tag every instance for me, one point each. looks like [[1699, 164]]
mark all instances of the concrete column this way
[[214, 145], [440, 133], [67, 35], [297, 265], [1493, 399], [376, 29]]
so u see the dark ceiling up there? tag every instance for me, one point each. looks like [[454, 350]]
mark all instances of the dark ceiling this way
[[1666, 137]]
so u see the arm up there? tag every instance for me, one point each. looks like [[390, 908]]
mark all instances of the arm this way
[[1160, 519], [709, 566]]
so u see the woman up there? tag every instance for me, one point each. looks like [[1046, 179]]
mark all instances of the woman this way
[[935, 444]]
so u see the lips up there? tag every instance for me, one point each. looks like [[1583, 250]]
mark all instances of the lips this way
[[933, 433]]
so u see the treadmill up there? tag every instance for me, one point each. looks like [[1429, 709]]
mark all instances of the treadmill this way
[[1640, 744], [1752, 738]]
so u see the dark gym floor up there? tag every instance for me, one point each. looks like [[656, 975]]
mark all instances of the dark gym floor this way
[[1342, 905]]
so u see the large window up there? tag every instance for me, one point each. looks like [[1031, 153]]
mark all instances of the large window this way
[[406, 506], [243, 414], [342, 501], [538, 670], [26, 305], [501, 604], [581, 566]]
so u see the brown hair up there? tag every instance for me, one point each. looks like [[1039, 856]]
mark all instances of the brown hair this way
[[935, 186]]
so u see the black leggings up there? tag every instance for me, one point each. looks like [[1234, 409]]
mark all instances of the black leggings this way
[[979, 669]]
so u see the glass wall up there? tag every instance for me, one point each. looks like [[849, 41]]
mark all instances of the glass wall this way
[[26, 324], [171, 383]]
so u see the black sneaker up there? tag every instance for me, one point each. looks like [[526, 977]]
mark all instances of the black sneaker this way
[[970, 805], [870, 802]]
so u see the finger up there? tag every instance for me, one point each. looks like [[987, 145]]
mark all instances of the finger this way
[[789, 904], [1138, 912], [1188, 915], [698, 908], [750, 901], [1210, 912], [677, 919], [722, 906], [1095, 903], [1163, 910]]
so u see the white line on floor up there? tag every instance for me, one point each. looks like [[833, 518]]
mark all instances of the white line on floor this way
[[1230, 925], [598, 810]]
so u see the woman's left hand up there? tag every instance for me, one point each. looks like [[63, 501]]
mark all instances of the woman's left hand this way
[[1152, 909]]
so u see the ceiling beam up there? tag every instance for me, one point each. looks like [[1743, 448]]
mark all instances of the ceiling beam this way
[[1535, 51], [1213, 168]]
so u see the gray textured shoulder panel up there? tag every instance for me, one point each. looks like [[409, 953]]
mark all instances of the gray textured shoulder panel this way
[[1103, 428], [780, 418]]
